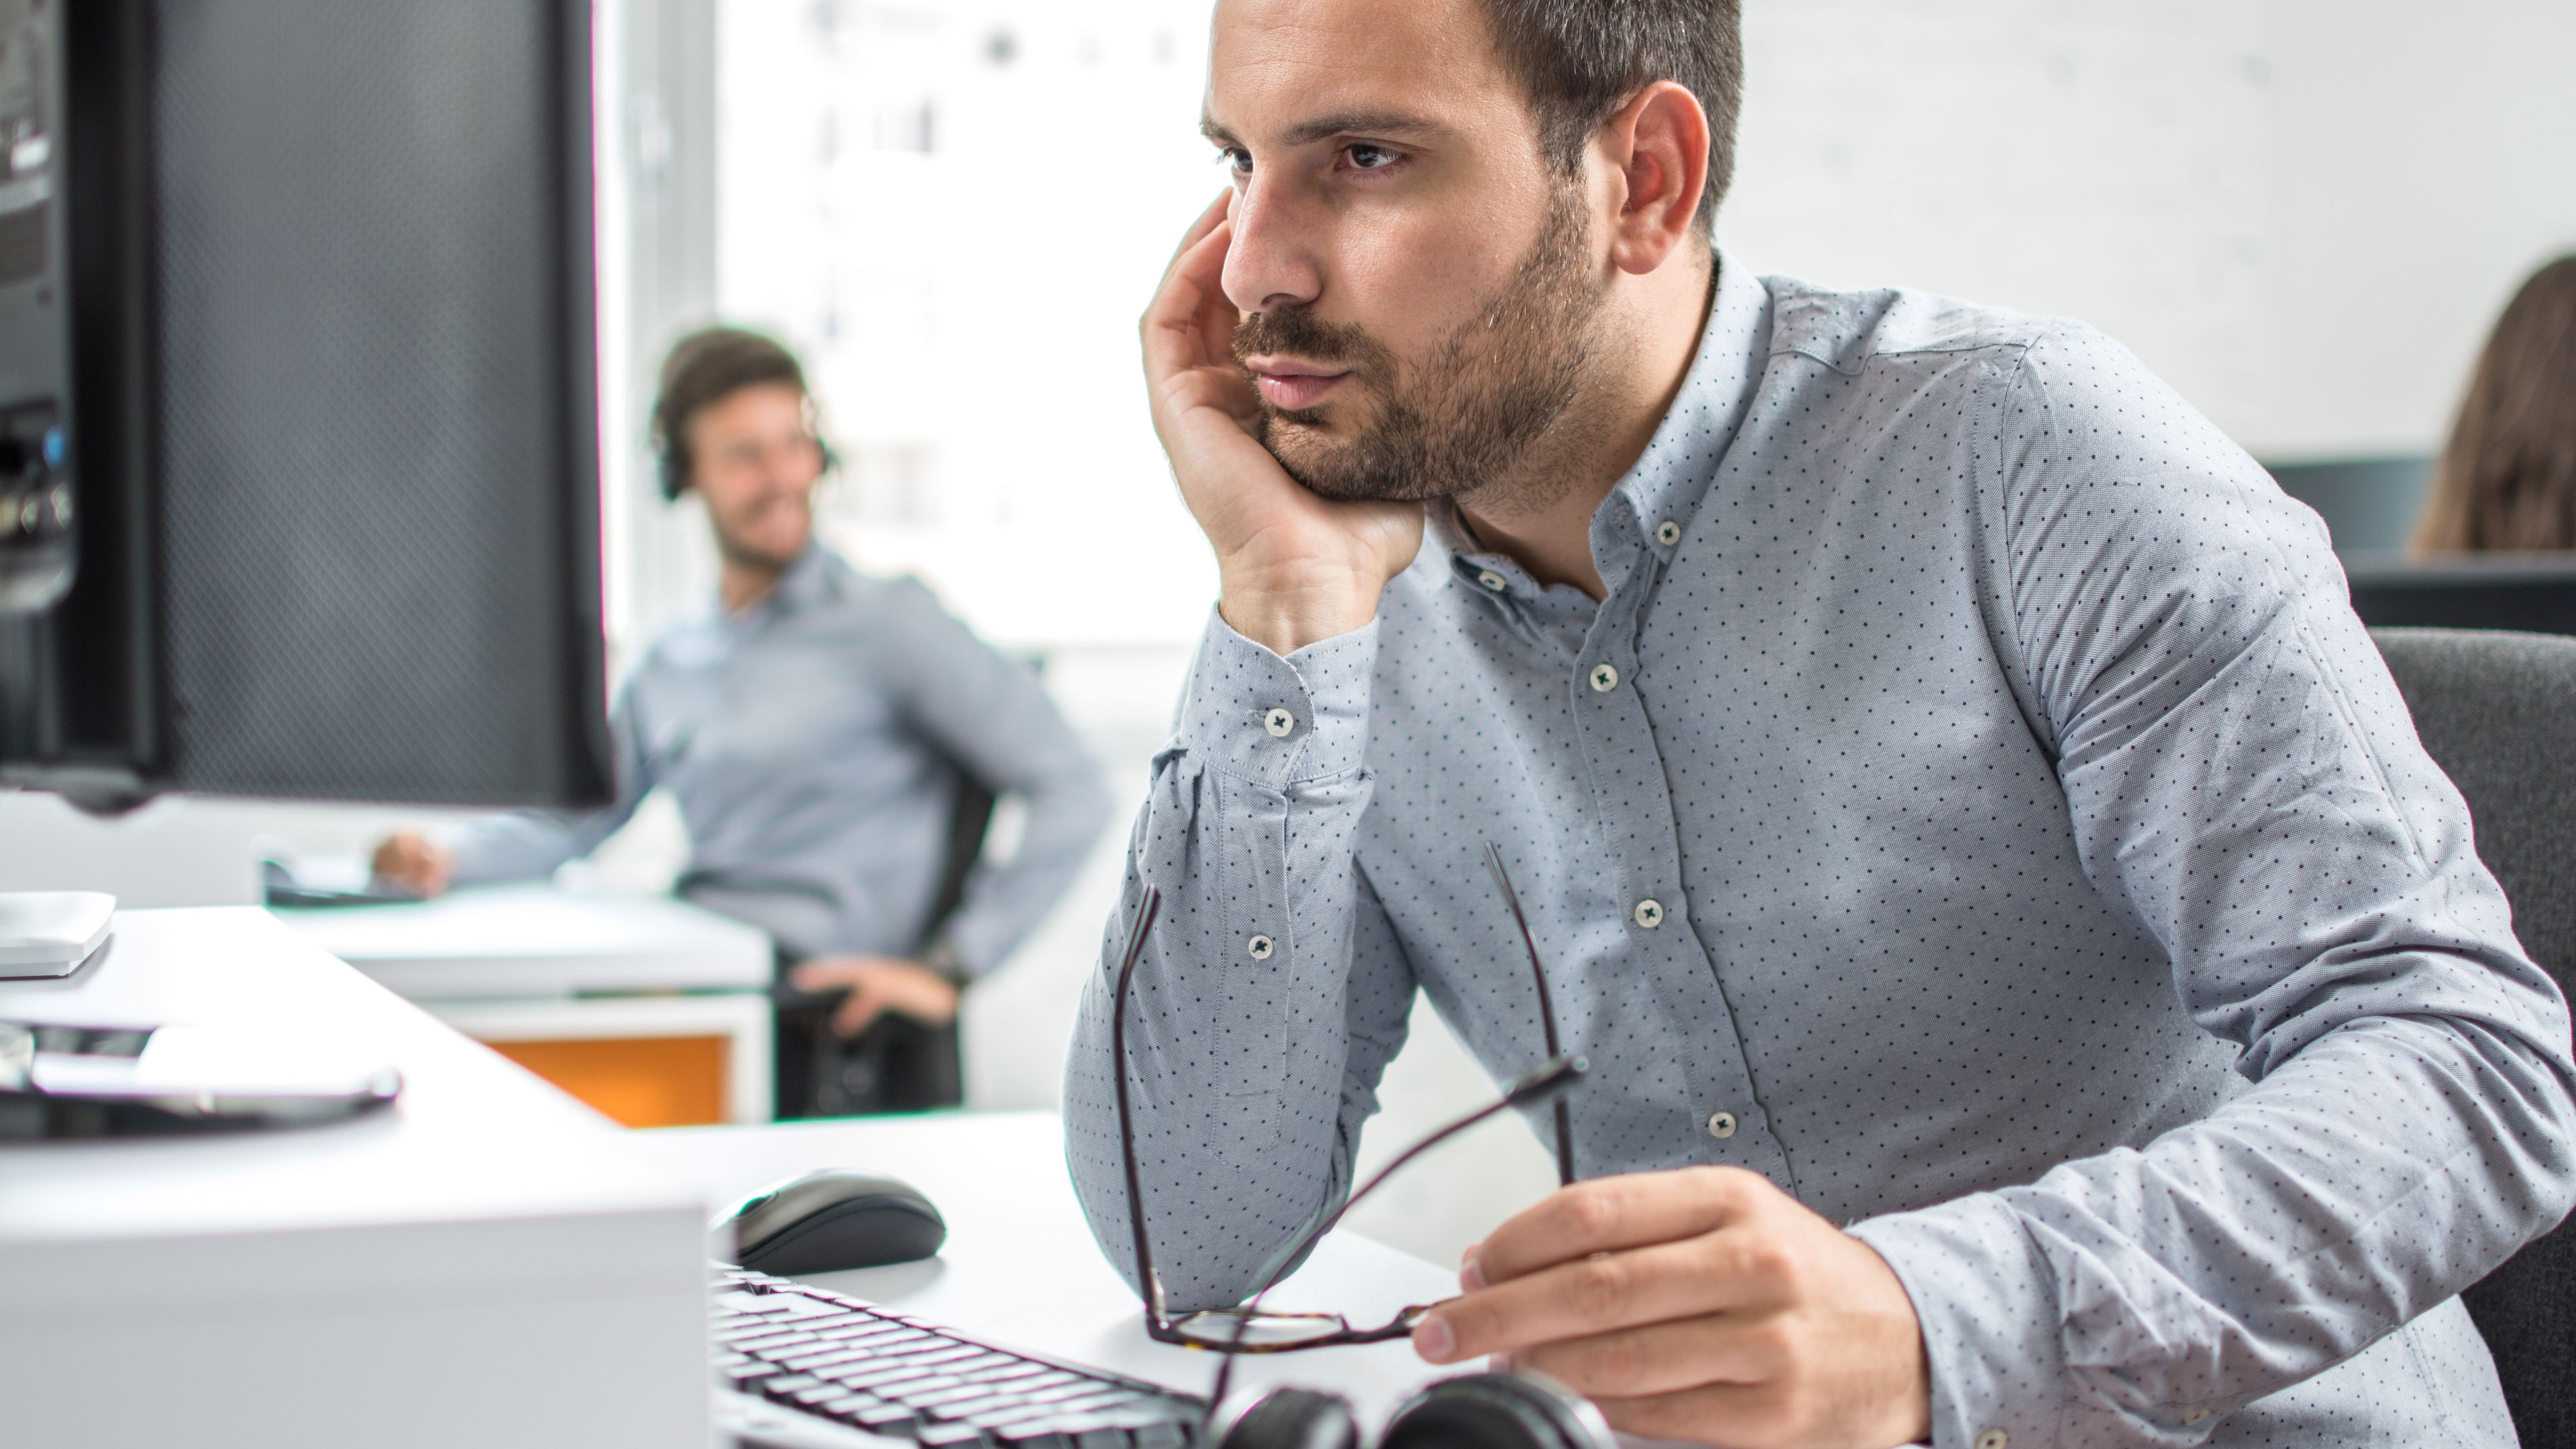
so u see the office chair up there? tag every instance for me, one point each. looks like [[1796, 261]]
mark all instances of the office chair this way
[[896, 1064], [2497, 711]]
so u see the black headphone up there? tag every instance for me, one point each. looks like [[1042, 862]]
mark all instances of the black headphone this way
[[1517, 1410], [671, 458]]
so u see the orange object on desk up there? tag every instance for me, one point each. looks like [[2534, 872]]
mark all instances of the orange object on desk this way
[[651, 1081]]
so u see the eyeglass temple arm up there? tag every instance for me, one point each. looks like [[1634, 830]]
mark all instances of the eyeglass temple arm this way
[[1552, 1079], [1546, 1011], [1147, 1285]]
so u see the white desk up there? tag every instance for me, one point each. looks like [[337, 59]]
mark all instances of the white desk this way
[[1020, 1268], [555, 977], [485, 1263], [489, 943]]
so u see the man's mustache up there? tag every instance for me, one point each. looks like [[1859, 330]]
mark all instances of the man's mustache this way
[[1300, 334]]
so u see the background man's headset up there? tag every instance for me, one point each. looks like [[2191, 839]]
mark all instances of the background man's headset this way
[[1510, 1410], [671, 456]]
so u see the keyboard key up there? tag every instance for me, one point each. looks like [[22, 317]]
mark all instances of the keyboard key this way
[[958, 1395], [825, 1355], [1100, 1439], [1166, 1434], [869, 1375], [883, 1419], [739, 1302], [1004, 1372], [813, 1394], [951, 1436], [781, 1385], [872, 1330], [1091, 1403], [909, 1391]]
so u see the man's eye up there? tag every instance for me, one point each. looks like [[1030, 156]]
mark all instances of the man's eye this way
[[1366, 157], [1236, 160]]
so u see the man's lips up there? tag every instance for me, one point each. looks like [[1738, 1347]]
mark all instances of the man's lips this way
[[1289, 385]]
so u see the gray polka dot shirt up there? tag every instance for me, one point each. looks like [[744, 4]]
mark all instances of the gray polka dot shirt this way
[[1974, 807]]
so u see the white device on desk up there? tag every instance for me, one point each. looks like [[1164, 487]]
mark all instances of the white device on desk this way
[[49, 933], [486, 1263]]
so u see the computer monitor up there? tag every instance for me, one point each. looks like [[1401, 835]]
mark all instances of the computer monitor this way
[[297, 401], [2532, 592]]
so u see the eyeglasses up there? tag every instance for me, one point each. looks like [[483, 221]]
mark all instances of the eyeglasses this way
[[1249, 1328]]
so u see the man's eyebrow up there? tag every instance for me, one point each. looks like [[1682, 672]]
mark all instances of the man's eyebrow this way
[[1366, 123]]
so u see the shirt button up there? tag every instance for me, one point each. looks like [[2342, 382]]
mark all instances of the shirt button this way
[[1668, 533], [1721, 1125], [1993, 1439], [1259, 946], [1493, 581], [1604, 679], [1650, 913], [1279, 722], [2195, 1416]]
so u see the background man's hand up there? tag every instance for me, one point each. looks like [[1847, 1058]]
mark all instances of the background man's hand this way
[[1703, 1304], [416, 863], [877, 985], [1296, 568]]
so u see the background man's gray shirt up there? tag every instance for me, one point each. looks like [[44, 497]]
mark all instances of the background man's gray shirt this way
[[813, 743], [1976, 787]]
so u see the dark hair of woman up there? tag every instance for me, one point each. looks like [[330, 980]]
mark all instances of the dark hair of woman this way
[[2508, 478]]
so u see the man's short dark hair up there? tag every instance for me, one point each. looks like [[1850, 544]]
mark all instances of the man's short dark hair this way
[[705, 368], [1581, 60]]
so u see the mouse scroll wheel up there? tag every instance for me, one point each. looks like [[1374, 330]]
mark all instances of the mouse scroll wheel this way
[[755, 1204]]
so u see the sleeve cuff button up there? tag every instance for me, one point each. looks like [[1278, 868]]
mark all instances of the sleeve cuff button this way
[[1279, 722], [1993, 1439]]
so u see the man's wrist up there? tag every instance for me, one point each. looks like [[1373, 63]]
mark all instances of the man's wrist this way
[[941, 959], [1286, 618]]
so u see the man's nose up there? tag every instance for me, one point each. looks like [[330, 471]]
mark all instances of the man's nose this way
[[1271, 261]]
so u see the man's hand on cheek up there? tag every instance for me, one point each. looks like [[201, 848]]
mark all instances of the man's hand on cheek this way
[[1703, 1304]]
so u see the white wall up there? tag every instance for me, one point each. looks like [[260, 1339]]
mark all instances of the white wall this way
[[2303, 213]]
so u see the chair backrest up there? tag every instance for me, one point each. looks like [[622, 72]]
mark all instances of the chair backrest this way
[[2497, 711]]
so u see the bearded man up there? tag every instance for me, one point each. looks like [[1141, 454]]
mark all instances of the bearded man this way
[[2036, 987], [816, 725]]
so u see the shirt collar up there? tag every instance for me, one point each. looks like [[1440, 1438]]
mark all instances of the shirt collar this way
[[806, 582], [1670, 478]]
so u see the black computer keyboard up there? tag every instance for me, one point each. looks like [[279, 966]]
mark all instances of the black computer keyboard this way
[[824, 1356]]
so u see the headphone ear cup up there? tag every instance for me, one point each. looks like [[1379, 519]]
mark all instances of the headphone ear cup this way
[[1285, 1419], [1519, 1410], [674, 479], [831, 460]]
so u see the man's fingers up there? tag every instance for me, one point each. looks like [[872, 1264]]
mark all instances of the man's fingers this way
[[1655, 1284], [863, 1005], [1662, 1358], [1611, 1213], [1173, 337]]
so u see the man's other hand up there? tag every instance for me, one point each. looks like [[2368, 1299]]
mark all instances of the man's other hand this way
[[877, 985], [1294, 568], [416, 863], [1702, 1304]]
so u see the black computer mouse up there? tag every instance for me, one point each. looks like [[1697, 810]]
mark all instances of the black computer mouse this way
[[826, 1221]]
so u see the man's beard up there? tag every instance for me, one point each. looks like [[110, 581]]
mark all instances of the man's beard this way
[[1469, 415]]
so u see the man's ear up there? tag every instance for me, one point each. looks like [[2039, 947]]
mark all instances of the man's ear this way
[[1655, 152]]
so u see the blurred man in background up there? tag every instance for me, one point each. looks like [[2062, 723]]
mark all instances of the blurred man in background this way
[[821, 731]]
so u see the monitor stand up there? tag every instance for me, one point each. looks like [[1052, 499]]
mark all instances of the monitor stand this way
[[50, 933]]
